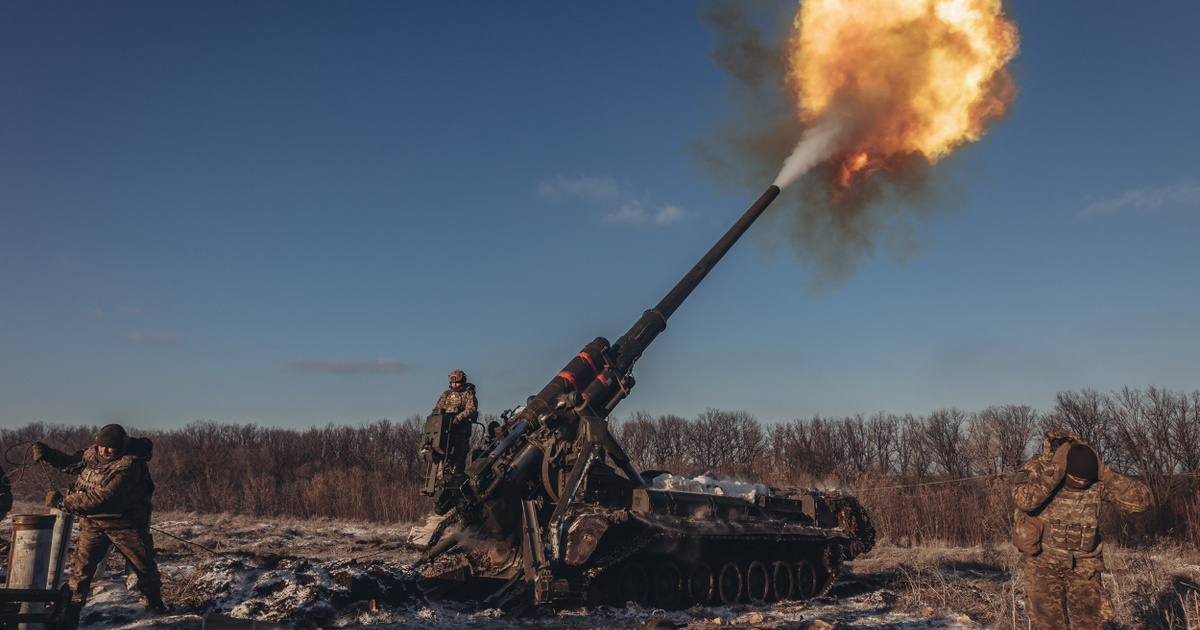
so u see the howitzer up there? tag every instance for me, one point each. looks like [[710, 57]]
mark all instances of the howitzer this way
[[562, 504]]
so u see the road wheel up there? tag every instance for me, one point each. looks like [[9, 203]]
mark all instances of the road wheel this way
[[782, 581], [666, 586], [729, 583], [806, 580], [700, 584], [630, 584], [758, 582]]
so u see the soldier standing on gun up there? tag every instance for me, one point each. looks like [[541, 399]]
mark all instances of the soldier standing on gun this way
[[111, 496], [1058, 495], [458, 401], [6, 502]]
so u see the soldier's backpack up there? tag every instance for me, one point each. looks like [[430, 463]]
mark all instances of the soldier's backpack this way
[[1027, 533]]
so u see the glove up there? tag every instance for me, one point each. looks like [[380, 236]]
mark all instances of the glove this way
[[54, 499], [1060, 460], [40, 451], [1105, 473]]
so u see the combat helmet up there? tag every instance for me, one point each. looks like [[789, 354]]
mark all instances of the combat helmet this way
[[457, 376]]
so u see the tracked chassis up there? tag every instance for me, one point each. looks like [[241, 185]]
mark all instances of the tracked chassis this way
[[670, 549]]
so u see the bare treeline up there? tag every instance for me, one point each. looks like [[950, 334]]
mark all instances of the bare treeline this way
[[942, 476], [370, 472]]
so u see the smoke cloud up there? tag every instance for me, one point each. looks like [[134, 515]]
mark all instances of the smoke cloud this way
[[816, 144], [830, 229]]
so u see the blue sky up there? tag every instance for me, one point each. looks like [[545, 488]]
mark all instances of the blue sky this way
[[296, 213]]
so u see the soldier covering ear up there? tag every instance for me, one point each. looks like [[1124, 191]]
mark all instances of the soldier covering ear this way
[[1064, 487]]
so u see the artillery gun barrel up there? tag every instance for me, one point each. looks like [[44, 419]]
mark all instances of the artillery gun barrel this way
[[629, 347], [577, 399]]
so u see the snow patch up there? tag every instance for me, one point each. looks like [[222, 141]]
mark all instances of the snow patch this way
[[710, 485]]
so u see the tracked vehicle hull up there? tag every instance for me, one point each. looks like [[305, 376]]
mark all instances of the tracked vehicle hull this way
[[669, 549], [674, 549]]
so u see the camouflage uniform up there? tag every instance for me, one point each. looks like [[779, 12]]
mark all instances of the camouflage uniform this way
[[112, 499], [462, 404], [6, 502], [1065, 576]]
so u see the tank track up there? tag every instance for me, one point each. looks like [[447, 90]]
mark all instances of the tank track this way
[[755, 569]]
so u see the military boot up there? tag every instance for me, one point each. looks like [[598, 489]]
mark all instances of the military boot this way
[[70, 619], [155, 604]]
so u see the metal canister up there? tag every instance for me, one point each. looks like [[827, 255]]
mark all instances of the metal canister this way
[[29, 557]]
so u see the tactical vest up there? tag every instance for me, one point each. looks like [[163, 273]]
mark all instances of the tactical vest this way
[[131, 505], [92, 478], [1071, 519], [454, 402]]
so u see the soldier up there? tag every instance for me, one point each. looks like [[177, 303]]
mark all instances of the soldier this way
[[6, 502], [459, 401], [1063, 488], [111, 496]]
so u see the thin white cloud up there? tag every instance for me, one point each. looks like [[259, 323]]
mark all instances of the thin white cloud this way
[[604, 191], [587, 187], [668, 214], [363, 366], [634, 212], [1185, 194], [630, 212], [96, 313], [151, 336]]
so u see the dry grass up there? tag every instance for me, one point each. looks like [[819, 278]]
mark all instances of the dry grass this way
[[1153, 588]]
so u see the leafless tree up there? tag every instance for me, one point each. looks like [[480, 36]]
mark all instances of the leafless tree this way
[[1141, 435], [945, 440], [1082, 413], [914, 460], [668, 449], [851, 433], [635, 434], [883, 435], [727, 441], [1185, 434], [998, 438], [791, 452]]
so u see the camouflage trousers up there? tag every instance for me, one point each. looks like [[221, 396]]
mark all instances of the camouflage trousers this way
[[1056, 587], [135, 544], [458, 446]]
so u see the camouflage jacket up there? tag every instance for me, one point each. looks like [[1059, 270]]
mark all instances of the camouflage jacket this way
[[112, 494], [6, 498], [1071, 517], [461, 403]]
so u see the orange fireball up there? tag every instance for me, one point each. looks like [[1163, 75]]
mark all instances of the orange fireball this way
[[911, 77]]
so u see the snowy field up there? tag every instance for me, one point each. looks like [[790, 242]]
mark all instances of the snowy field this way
[[355, 575]]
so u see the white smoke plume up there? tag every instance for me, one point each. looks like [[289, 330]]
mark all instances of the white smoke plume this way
[[816, 144]]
